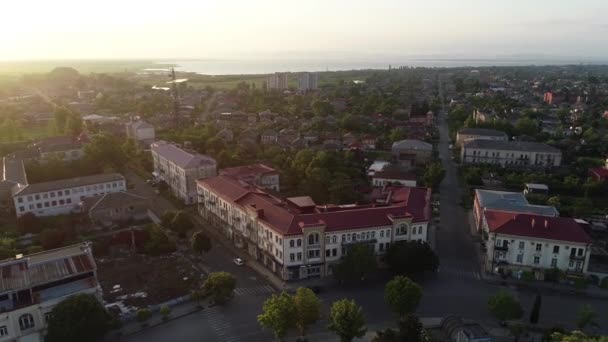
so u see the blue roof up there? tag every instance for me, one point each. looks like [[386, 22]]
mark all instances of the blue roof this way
[[512, 201]]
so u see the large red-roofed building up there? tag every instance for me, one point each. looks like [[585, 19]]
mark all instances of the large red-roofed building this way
[[297, 238], [530, 242]]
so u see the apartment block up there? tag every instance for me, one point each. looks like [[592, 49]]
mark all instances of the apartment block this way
[[510, 153]]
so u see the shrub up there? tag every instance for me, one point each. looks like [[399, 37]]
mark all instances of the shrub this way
[[143, 315], [580, 283], [527, 276], [165, 311]]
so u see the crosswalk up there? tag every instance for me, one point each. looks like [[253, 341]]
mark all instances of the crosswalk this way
[[254, 291], [460, 272], [220, 324]]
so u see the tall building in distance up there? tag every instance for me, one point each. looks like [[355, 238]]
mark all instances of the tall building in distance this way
[[308, 81], [278, 80]]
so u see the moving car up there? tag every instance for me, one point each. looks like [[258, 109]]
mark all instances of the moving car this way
[[238, 261]]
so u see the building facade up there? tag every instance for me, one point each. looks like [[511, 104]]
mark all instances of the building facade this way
[[468, 134], [115, 208], [510, 154], [32, 285], [526, 242], [308, 81], [64, 196], [410, 153], [142, 132], [278, 81], [180, 169], [298, 239]]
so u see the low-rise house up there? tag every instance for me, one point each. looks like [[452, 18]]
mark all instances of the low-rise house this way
[[287, 135], [115, 208], [510, 153], [507, 201], [410, 153], [347, 139], [267, 116], [64, 152], [468, 134], [141, 131], [536, 189], [32, 285], [260, 175], [296, 238], [12, 175], [225, 134], [520, 242], [393, 177], [269, 137], [180, 169], [64, 196], [369, 142], [599, 174]]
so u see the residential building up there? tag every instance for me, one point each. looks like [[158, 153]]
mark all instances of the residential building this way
[[278, 81], [296, 238], [64, 196], [269, 137], [115, 208], [369, 142], [259, 175], [527, 242], [64, 152], [141, 131], [510, 153], [467, 134], [12, 175], [32, 285], [410, 153], [599, 174], [536, 189], [393, 177], [225, 134], [507, 201], [180, 169], [308, 81]]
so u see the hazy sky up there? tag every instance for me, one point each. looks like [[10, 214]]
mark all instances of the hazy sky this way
[[301, 29]]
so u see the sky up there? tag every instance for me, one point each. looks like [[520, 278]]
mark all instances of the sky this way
[[178, 29]]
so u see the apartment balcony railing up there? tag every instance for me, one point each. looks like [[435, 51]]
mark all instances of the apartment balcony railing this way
[[577, 257], [503, 248]]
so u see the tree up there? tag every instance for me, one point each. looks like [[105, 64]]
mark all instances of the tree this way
[[28, 223], [504, 307], [165, 311], [143, 315], [278, 314], [535, 313], [410, 330], [411, 257], [181, 223], [201, 243], [107, 150], [358, 262], [396, 134], [60, 118], [78, 317], [576, 336], [73, 125], [346, 320], [586, 317], [433, 175], [402, 295], [308, 309], [157, 243], [554, 201], [219, 286], [52, 238], [167, 218]]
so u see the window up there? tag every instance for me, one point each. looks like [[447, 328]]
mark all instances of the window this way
[[21, 209], [37, 197], [381, 247], [382, 233], [343, 238], [299, 256], [520, 258], [108, 186], [3, 331], [291, 243], [31, 207], [539, 247], [334, 252], [580, 252], [420, 230], [52, 194], [20, 199], [555, 249], [521, 245], [39, 205], [327, 253], [387, 245], [578, 265], [334, 239], [29, 198], [26, 321], [59, 193], [299, 242], [47, 317], [571, 264], [46, 204], [553, 262], [68, 200], [536, 260], [67, 192], [311, 239], [292, 257], [61, 202]]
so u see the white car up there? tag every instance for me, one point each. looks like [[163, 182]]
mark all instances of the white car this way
[[238, 261]]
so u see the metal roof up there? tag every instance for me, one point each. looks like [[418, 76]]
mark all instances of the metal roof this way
[[68, 183]]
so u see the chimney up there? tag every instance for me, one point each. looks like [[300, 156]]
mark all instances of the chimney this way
[[533, 222]]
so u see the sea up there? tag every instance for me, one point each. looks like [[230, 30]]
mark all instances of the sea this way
[[265, 66]]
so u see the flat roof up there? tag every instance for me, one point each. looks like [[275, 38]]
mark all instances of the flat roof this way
[[524, 146], [68, 183]]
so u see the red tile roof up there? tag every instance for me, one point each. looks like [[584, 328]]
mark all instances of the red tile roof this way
[[600, 172], [535, 226], [248, 171]]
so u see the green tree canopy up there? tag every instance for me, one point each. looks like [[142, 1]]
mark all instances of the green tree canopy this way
[[504, 307], [433, 175], [181, 223], [308, 309], [346, 320], [219, 286], [586, 317], [200, 242], [278, 314], [80, 317], [409, 330], [402, 295], [107, 150], [358, 262]]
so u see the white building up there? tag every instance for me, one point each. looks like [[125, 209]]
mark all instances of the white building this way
[[308, 81], [468, 134], [297, 239], [529, 242], [510, 153], [278, 80], [140, 131], [180, 169], [64, 196], [32, 285]]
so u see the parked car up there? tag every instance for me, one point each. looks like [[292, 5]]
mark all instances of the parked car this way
[[238, 261]]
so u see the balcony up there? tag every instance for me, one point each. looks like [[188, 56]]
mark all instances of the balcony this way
[[503, 247], [577, 257]]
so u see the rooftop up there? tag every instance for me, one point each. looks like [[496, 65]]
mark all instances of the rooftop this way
[[524, 146], [412, 144], [111, 200], [248, 172], [482, 131], [13, 171], [535, 226], [68, 183], [181, 157], [511, 201]]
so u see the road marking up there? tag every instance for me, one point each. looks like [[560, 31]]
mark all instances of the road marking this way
[[254, 291]]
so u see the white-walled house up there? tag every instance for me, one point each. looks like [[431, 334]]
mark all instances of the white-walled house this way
[[65, 195], [529, 242], [510, 153], [32, 285], [298, 239], [141, 131], [180, 169]]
